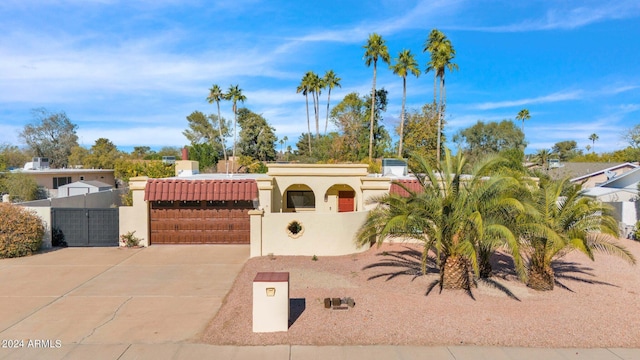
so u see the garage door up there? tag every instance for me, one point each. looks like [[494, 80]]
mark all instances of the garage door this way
[[199, 225], [199, 211]]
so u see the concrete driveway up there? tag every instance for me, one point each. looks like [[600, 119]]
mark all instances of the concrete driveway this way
[[59, 300]]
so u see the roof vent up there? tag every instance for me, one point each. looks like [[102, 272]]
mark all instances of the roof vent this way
[[610, 174]]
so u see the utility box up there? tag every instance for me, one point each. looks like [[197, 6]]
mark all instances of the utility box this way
[[271, 302]]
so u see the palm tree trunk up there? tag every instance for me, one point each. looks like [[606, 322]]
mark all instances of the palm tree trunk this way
[[541, 277], [235, 133], [306, 96], [373, 103], [440, 114], [455, 274], [326, 123], [316, 109], [404, 99], [224, 149]]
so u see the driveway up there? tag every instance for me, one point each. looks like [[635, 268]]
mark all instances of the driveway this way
[[57, 301]]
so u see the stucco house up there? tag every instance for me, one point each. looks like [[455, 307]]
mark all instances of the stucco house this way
[[293, 209]]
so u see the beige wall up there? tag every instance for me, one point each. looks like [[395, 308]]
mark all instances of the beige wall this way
[[136, 217], [44, 178], [324, 234], [593, 181], [45, 214]]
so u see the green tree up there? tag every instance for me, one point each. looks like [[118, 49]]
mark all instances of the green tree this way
[[52, 136], [593, 138], [12, 157], [374, 49], [441, 54], [205, 154], [102, 155], [523, 115], [404, 65], [566, 150], [257, 137], [452, 215], [140, 152], [564, 221], [420, 135], [20, 186], [315, 87], [215, 95], [541, 158], [305, 89], [632, 137], [234, 94], [330, 80], [489, 138], [206, 129]]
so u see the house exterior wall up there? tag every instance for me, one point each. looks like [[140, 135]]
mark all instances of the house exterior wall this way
[[136, 217], [44, 178]]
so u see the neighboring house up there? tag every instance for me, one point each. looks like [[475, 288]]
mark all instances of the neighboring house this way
[[601, 174], [82, 187]]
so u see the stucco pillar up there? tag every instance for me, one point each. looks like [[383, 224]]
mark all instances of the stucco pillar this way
[[255, 217], [136, 217]]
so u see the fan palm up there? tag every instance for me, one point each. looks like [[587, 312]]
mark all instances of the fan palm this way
[[215, 95], [594, 137], [374, 49], [523, 115], [456, 216], [330, 80], [234, 94], [441, 54], [404, 65], [565, 221], [305, 88]]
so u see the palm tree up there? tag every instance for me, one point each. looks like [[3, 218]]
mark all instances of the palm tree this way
[[542, 158], [565, 221], [234, 94], [442, 53], [405, 64], [215, 95], [330, 81], [453, 215], [522, 116], [594, 137], [285, 139], [316, 84], [305, 88], [374, 49]]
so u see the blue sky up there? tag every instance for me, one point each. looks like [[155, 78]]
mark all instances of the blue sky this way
[[131, 71]]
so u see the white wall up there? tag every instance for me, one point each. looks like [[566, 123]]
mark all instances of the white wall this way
[[45, 214]]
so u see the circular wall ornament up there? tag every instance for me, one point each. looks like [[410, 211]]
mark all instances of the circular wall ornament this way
[[295, 229]]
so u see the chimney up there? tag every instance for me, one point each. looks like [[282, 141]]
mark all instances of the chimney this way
[[185, 153]]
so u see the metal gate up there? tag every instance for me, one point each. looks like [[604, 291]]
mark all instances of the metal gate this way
[[87, 227]]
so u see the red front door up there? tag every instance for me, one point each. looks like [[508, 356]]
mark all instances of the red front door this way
[[346, 201]]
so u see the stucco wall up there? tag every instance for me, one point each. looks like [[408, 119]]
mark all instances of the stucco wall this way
[[45, 214], [136, 217], [324, 234]]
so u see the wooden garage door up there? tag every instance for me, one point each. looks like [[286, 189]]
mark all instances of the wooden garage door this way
[[199, 225]]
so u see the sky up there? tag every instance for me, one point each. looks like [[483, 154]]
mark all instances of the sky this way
[[132, 71]]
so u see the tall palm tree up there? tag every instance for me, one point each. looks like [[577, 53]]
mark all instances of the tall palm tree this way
[[374, 49], [330, 80], [234, 94], [441, 54], [565, 221], [305, 88], [316, 84], [594, 137], [522, 116], [453, 215], [215, 95], [404, 65]]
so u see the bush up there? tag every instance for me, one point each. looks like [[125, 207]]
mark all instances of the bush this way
[[21, 231], [129, 239]]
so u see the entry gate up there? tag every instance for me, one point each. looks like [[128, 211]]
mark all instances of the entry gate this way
[[87, 227]]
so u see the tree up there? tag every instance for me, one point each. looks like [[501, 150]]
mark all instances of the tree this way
[[257, 138], [215, 95], [12, 157], [234, 94], [374, 49], [404, 64], [453, 216], [206, 129], [566, 150], [522, 116], [140, 152], [20, 186], [441, 54], [315, 86], [542, 158], [594, 137], [489, 138], [102, 155], [205, 154], [420, 135], [330, 81], [52, 136], [564, 221], [305, 88], [632, 136]]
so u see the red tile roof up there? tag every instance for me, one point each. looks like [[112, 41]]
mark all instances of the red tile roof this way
[[205, 190], [411, 184]]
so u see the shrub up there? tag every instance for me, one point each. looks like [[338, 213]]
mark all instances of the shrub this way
[[129, 239], [21, 231]]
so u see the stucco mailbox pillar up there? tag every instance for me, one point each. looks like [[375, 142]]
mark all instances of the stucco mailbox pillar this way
[[271, 302]]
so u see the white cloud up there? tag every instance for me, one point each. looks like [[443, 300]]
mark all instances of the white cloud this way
[[554, 97]]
